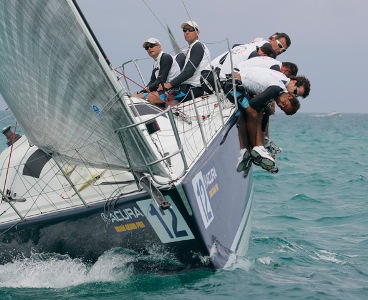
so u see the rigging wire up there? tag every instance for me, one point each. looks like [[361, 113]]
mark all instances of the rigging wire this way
[[158, 20], [10, 155], [7, 117]]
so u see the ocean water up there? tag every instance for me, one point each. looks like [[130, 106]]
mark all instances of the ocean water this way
[[309, 238]]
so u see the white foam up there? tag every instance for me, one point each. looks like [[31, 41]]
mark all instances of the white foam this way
[[239, 262], [327, 256], [265, 260], [57, 271]]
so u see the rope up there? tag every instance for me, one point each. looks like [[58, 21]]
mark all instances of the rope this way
[[136, 83]]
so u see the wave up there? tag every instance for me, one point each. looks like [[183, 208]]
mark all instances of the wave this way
[[328, 256], [304, 198], [336, 220], [358, 178], [298, 253], [51, 270], [278, 241]]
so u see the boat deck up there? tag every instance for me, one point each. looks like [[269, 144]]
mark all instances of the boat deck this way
[[29, 196]]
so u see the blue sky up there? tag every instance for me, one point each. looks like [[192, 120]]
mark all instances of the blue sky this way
[[329, 37]]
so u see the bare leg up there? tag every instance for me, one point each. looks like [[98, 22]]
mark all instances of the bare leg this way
[[154, 98], [259, 134], [139, 95], [245, 131], [271, 111], [242, 131], [265, 133], [251, 125]]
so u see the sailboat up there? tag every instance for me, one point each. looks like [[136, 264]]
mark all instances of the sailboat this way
[[98, 169]]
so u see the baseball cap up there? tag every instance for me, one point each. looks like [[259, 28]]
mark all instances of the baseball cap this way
[[191, 24], [151, 41]]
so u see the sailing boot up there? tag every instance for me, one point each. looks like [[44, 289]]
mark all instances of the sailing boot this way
[[243, 160], [271, 147], [261, 157]]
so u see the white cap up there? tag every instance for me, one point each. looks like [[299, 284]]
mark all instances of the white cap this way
[[191, 24], [151, 41]]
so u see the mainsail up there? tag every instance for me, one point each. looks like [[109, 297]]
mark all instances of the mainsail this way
[[61, 89]]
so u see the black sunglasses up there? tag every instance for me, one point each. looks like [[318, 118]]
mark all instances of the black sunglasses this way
[[296, 92], [150, 46], [188, 29], [280, 46]]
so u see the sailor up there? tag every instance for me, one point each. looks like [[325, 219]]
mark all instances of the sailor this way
[[222, 64], [265, 85], [165, 68], [288, 69], [11, 137], [278, 43], [197, 58]]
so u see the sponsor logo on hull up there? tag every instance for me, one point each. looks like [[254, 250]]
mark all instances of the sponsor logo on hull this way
[[205, 187], [169, 224]]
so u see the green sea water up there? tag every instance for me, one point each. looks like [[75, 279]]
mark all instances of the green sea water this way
[[309, 238]]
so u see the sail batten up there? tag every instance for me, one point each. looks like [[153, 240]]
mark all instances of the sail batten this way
[[60, 88]]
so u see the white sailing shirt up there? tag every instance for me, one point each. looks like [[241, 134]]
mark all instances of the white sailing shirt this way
[[256, 79], [259, 42], [203, 65], [260, 61], [174, 70], [238, 54]]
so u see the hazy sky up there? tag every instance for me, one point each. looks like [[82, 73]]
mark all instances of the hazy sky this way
[[329, 37]]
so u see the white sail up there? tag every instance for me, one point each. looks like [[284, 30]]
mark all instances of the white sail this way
[[60, 87]]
